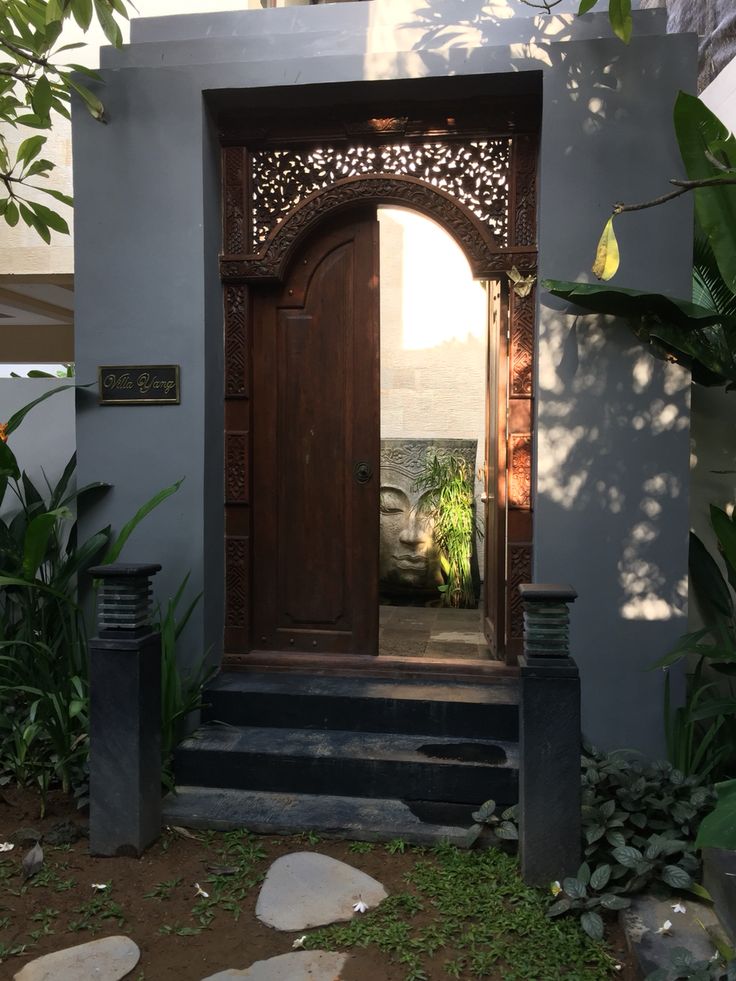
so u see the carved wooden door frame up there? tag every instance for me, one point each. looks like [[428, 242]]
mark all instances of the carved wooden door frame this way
[[258, 241]]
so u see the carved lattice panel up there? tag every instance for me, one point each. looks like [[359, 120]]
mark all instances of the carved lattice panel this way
[[476, 173]]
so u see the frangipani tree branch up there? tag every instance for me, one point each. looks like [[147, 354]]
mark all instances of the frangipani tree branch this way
[[683, 187]]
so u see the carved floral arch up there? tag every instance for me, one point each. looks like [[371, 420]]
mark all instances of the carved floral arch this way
[[485, 256], [261, 232]]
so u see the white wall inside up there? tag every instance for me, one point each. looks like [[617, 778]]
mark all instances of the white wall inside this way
[[434, 335]]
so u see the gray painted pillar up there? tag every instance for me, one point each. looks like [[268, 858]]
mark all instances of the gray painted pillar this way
[[549, 791], [125, 715]]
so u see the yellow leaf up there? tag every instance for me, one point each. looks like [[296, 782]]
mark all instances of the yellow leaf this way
[[606, 257]]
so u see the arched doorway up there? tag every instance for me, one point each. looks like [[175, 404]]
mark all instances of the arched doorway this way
[[265, 229]]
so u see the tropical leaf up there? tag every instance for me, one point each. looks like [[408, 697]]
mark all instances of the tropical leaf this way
[[118, 544], [707, 147]]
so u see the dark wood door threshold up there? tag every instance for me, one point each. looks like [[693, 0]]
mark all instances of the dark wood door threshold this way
[[384, 667]]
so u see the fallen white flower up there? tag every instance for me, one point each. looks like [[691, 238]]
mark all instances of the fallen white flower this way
[[299, 943], [679, 908], [360, 906], [665, 929], [99, 886], [6, 846], [555, 887], [200, 891]]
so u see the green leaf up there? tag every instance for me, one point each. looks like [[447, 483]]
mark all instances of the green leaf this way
[[82, 11], [561, 906], [592, 924], [599, 879], [64, 198], [485, 810], [725, 531], [29, 149], [610, 901], [117, 546], [37, 538], [41, 98], [700, 133], [676, 877], [8, 463], [700, 891], [54, 11], [574, 888], [618, 301], [710, 588], [585, 6], [627, 856], [33, 221], [619, 14], [12, 214], [93, 104], [718, 829], [51, 218], [108, 24], [17, 418], [606, 257]]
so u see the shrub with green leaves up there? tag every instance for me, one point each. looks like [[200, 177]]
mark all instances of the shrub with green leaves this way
[[44, 678], [639, 823]]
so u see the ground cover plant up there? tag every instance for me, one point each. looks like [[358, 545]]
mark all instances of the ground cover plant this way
[[639, 820], [450, 914]]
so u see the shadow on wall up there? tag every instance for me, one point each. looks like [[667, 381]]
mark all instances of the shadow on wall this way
[[591, 414]]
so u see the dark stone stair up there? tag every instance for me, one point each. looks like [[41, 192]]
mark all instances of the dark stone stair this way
[[422, 753]]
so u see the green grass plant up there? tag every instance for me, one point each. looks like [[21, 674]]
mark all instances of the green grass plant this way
[[474, 908]]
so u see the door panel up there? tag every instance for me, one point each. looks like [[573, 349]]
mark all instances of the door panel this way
[[316, 420]]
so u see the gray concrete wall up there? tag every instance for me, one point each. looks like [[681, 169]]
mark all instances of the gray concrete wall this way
[[613, 423], [147, 215]]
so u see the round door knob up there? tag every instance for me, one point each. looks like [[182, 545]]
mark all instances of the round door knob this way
[[362, 472]]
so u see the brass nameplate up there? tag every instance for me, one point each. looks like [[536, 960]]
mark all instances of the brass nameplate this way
[[139, 384]]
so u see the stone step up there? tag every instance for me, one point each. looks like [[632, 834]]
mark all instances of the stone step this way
[[352, 818], [365, 704], [348, 763]]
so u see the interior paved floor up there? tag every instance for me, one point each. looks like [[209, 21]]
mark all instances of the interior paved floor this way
[[420, 631]]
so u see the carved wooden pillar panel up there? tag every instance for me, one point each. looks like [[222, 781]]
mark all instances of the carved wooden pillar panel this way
[[237, 408], [520, 407]]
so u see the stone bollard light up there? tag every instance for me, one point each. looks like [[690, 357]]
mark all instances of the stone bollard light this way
[[125, 714], [550, 739]]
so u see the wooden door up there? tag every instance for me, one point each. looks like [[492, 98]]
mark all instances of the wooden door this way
[[316, 454]]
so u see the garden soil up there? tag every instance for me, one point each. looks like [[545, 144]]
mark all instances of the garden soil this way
[[165, 928]]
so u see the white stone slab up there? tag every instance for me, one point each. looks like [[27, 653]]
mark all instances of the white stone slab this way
[[305, 890], [309, 965], [109, 959]]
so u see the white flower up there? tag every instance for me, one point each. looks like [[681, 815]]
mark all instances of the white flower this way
[[555, 888], [199, 891], [360, 906], [665, 929], [99, 886], [679, 908], [6, 846], [299, 943]]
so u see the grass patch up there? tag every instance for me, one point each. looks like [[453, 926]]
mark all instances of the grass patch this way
[[472, 911]]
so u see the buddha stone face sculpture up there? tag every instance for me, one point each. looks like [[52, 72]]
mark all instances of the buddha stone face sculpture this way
[[409, 562]]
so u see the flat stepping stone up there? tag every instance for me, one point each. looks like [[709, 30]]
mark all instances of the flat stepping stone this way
[[311, 965], [306, 889], [109, 959]]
